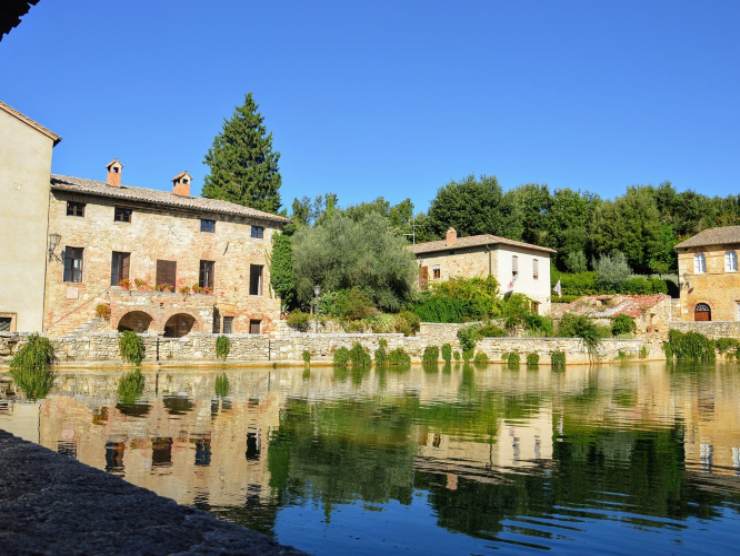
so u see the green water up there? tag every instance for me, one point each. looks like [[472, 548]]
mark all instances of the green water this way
[[614, 459]]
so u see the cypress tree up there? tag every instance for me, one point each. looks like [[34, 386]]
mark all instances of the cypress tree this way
[[244, 168]]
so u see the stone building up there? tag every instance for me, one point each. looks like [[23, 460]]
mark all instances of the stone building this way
[[25, 163], [160, 261], [708, 275], [517, 266]]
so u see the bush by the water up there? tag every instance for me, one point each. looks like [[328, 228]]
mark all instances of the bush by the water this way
[[480, 360], [399, 358], [130, 387], [691, 346], [223, 347], [430, 355], [131, 347], [298, 320], [623, 324], [579, 326], [341, 357], [459, 300], [447, 353], [359, 357], [533, 360], [306, 357], [31, 369], [512, 360], [557, 360]]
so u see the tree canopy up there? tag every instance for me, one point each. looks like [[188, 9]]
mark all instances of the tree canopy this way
[[244, 168]]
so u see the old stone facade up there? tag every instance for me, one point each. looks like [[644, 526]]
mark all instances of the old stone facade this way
[[709, 276], [164, 263], [517, 266]]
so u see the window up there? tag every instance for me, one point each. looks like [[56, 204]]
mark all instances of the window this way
[[255, 279], [166, 273], [205, 277], [535, 269], [436, 273], [258, 232], [207, 225], [700, 263], [228, 325], [254, 326], [75, 208], [121, 214], [731, 261], [514, 265], [216, 321], [7, 322], [119, 267], [73, 264]]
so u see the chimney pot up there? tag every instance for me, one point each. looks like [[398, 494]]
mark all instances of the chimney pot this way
[[181, 184], [451, 236], [115, 169]]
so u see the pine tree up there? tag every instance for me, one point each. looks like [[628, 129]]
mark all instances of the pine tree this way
[[244, 168]]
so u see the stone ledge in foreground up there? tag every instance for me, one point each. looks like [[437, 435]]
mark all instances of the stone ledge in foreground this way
[[52, 504]]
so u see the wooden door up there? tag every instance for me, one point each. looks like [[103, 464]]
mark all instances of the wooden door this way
[[702, 312], [424, 277]]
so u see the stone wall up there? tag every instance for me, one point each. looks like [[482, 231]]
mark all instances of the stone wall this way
[[200, 348], [713, 329]]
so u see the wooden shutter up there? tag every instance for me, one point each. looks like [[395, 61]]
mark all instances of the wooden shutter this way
[[125, 265], [167, 273], [424, 277]]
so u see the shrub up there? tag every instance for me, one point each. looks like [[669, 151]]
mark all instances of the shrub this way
[[457, 356], [223, 347], [382, 323], [557, 360], [130, 387], [579, 326], [103, 311], [408, 323], [430, 355], [691, 346], [533, 360], [306, 358], [447, 353], [538, 325], [131, 347], [399, 358], [459, 300], [381, 354], [359, 357], [468, 337], [30, 367], [612, 270], [512, 360], [726, 344], [222, 386], [644, 352], [298, 320], [490, 330], [623, 324], [480, 359], [341, 357], [349, 304], [576, 261], [282, 275]]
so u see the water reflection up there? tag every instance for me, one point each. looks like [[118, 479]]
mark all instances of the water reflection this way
[[513, 459]]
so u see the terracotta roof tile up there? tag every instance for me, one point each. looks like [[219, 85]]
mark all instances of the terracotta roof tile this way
[[713, 236], [158, 198], [474, 241]]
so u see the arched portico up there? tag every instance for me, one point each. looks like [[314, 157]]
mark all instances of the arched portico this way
[[135, 321], [179, 325]]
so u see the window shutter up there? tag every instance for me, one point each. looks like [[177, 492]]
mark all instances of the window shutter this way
[[166, 273]]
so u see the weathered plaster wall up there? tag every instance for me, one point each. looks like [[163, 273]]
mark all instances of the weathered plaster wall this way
[[151, 235], [716, 287], [25, 166]]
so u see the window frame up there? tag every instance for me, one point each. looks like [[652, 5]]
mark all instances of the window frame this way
[[535, 269], [210, 271], [700, 263], [12, 319], [730, 261], [515, 265], [122, 211], [161, 264], [260, 282], [206, 223], [73, 206], [119, 269], [252, 323], [227, 325], [436, 273], [257, 232], [69, 272]]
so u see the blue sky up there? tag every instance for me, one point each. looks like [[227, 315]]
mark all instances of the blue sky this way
[[391, 98]]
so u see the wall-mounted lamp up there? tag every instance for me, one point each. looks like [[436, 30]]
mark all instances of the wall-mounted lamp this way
[[54, 240]]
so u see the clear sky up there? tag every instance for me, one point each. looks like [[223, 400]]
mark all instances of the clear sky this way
[[391, 98]]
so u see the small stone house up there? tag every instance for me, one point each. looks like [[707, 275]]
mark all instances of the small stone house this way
[[708, 275], [517, 266]]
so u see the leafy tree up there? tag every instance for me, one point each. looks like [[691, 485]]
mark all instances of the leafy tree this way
[[567, 223], [530, 207], [282, 276], [575, 261], [612, 270], [340, 253], [244, 168]]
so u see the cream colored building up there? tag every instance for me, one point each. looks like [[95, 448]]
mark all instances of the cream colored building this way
[[709, 275], [517, 266], [25, 164]]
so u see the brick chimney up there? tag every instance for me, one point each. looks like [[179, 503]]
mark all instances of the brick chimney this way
[[115, 168], [181, 184], [451, 236]]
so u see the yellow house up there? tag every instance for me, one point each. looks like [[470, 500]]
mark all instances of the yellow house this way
[[708, 275]]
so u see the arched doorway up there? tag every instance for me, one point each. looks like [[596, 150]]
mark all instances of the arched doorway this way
[[135, 321], [702, 312], [178, 325]]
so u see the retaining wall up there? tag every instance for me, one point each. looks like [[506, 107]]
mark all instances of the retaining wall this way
[[713, 329]]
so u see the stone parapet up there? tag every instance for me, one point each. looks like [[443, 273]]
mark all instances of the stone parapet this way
[[712, 329]]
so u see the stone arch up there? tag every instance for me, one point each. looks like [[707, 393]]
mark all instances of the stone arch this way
[[136, 321], [702, 312], [179, 325]]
